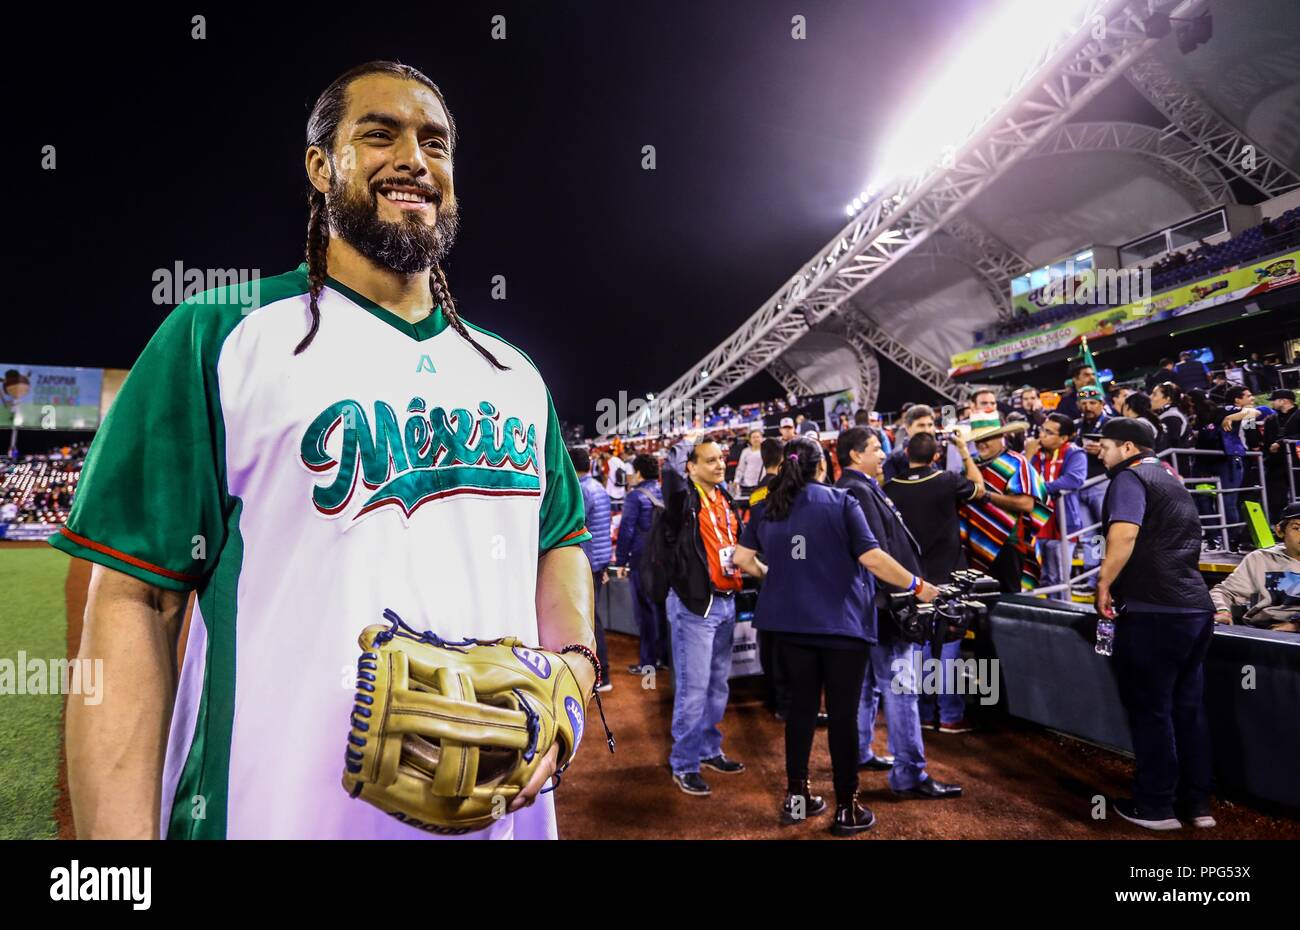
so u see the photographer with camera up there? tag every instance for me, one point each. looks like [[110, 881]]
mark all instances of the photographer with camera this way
[[890, 670], [930, 500], [951, 456], [819, 596]]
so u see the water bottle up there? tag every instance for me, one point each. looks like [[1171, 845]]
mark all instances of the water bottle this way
[[1105, 637]]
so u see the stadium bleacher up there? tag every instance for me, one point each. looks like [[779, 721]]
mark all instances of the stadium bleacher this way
[[39, 488], [1175, 269]]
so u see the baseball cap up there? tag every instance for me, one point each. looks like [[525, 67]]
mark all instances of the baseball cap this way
[[1128, 429], [787, 421], [1282, 394], [1091, 392], [1290, 512]]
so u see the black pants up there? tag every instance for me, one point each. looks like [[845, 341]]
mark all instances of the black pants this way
[[1159, 659], [840, 672], [777, 692], [1006, 568], [602, 650]]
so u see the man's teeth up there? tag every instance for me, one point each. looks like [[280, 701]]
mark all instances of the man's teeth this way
[[406, 195]]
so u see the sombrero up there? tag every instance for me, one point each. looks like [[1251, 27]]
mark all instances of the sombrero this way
[[988, 425]]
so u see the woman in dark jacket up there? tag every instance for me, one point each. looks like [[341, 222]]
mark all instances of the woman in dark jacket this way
[[1167, 402], [819, 598], [1138, 407]]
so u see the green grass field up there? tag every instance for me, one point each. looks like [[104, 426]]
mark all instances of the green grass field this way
[[32, 619]]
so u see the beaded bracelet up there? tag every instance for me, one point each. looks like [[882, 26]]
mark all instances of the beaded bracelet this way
[[600, 679], [590, 657]]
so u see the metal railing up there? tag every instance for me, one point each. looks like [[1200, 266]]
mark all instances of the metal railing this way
[[1069, 539], [1292, 447]]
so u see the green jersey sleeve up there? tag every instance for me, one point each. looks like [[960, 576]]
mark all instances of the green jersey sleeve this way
[[564, 517], [151, 499]]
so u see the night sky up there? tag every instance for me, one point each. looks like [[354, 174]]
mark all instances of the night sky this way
[[171, 149]]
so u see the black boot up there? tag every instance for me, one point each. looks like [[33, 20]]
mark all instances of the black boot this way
[[811, 804], [852, 818]]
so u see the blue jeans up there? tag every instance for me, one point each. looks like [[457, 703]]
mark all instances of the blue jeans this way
[[701, 666], [952, 707], [1092, 499], [1050, 552], [1232, 471], [891, 676]]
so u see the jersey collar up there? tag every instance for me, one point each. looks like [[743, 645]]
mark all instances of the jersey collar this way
[[427, 328]]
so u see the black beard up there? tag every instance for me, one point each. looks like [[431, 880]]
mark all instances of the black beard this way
[[408, 247]]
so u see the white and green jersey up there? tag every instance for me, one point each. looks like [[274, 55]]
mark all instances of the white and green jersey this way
[[387, 466]]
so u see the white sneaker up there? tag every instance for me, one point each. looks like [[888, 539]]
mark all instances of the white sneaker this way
[[1128, 810]]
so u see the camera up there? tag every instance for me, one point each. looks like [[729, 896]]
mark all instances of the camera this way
[[948, 616]]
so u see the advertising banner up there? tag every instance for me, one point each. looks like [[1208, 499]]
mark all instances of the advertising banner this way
[[1054, 293], [1235, 284], [49, 397], [835, 405]]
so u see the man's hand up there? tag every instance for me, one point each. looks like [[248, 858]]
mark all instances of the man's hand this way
[[528, 796], [1105, 605], [926, 592], [1092, 447], [1031, 447], [1286, 626], [1223, 616]]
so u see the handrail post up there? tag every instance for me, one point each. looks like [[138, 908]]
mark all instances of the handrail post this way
[[1065, 551]]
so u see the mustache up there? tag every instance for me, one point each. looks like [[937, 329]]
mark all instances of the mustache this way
[[432, 191]]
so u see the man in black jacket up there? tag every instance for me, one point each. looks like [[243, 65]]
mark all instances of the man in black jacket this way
[[1278, 456], [702, 527], [1190, 373], [891, 672], [1162, 374], [1151, 587]]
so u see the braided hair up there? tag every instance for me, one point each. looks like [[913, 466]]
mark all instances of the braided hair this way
[[802, 456], [322, 127]]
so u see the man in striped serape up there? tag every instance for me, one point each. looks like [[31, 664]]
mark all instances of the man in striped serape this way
[[999, 529]]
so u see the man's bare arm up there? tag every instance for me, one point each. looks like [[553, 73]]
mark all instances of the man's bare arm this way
[[566, 611], [973, 472], [116, 748], [1014, 503], [566, 606]]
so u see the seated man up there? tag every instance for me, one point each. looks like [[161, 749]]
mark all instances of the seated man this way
[[1267, 582]]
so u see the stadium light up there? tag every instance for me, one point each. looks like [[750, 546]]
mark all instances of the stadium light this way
[[972, 83]]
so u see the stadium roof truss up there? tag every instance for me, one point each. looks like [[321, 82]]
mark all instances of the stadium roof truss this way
[[1068, 73], [782, 371], [1187, 166], [1196, 120]]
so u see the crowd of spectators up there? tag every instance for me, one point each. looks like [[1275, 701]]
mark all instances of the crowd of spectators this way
[[38, 488], [1184, 404], [1001, 483]]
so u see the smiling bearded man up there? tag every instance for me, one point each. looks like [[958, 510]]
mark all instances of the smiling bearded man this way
[[345, 448]]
